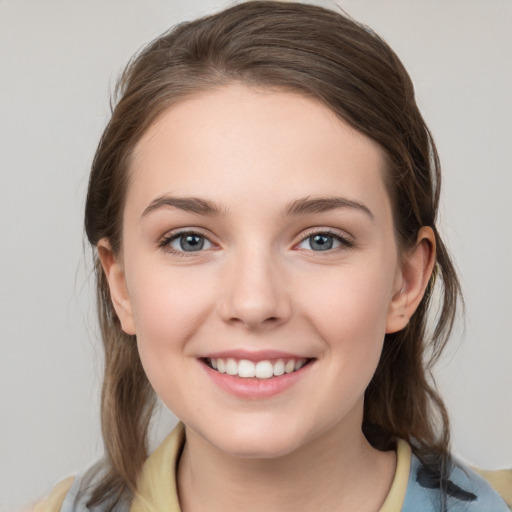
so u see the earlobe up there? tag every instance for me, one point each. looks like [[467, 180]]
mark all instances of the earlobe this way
[[416, 269], [115, 275]]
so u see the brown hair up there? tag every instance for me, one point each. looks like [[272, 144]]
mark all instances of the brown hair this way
[[324, 55]]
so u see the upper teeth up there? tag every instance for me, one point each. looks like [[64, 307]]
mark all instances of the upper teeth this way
[[261, 369]]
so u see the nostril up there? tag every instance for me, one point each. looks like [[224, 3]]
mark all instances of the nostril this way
[[254, 321]]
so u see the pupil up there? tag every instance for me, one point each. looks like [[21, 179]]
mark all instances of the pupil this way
[[191, 242], [321, 242]]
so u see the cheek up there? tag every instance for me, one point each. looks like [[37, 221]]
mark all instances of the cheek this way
[[167, 305], [349, 310], [351, 302], [167, 310]]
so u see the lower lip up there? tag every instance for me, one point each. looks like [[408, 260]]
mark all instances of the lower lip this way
[[252, 388]]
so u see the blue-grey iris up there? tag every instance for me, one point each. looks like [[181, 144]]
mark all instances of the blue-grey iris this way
[[191, 242], [321, 242]]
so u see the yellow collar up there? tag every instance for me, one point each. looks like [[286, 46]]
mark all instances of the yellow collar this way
[[157, 489]]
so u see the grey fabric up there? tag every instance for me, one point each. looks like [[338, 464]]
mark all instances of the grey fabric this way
[[80, 492]]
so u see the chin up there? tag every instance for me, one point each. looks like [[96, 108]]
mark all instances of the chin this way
[[258, 441]]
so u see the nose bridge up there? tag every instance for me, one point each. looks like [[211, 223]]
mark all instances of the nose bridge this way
[[255, 293]]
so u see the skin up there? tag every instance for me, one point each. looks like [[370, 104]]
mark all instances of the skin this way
[[258, 284]]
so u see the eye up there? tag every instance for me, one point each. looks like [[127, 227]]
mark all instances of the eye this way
[[186, 242], [324, 242]]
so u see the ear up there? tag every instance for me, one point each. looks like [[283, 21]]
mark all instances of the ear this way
[[114, 273], [416, 268]]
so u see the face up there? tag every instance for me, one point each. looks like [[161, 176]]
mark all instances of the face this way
[[259, 268]]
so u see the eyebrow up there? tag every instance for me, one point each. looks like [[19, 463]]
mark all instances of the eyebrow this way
[[297, 207], [188, 204], [324, 204]]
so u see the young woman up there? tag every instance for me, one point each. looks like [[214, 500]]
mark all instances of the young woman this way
[[262, 206]]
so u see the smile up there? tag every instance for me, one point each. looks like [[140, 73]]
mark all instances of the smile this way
[[265, 369]]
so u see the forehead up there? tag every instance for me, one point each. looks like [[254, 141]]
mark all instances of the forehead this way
[[254, 144]]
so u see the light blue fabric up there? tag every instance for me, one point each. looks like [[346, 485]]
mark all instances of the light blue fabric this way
[[466, 492]]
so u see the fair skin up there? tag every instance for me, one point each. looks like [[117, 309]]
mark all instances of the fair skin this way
[[268, 274]]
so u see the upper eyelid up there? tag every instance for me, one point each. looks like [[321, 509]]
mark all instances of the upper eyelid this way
[[174, 233], [327, 231]]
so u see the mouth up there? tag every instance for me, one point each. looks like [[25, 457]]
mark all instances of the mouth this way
[[261, 370]]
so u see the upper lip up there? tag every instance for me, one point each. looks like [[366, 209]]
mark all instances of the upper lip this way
[[256, 355]]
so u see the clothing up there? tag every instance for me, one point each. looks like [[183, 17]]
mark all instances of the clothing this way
[[414, 488], [467, 491]]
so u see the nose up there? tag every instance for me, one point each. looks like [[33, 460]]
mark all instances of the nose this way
[[255, 294]]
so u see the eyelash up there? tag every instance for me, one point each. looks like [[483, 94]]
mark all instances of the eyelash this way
[[345, 241], [164, 243], [168, 239]]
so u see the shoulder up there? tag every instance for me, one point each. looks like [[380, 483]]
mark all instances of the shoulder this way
[[73, 493], [53, 502], [464, 491]]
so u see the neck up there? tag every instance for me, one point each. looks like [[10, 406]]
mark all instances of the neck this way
[[337, 471]]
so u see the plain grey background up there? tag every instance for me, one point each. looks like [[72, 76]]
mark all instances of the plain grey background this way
[[58, 59]]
